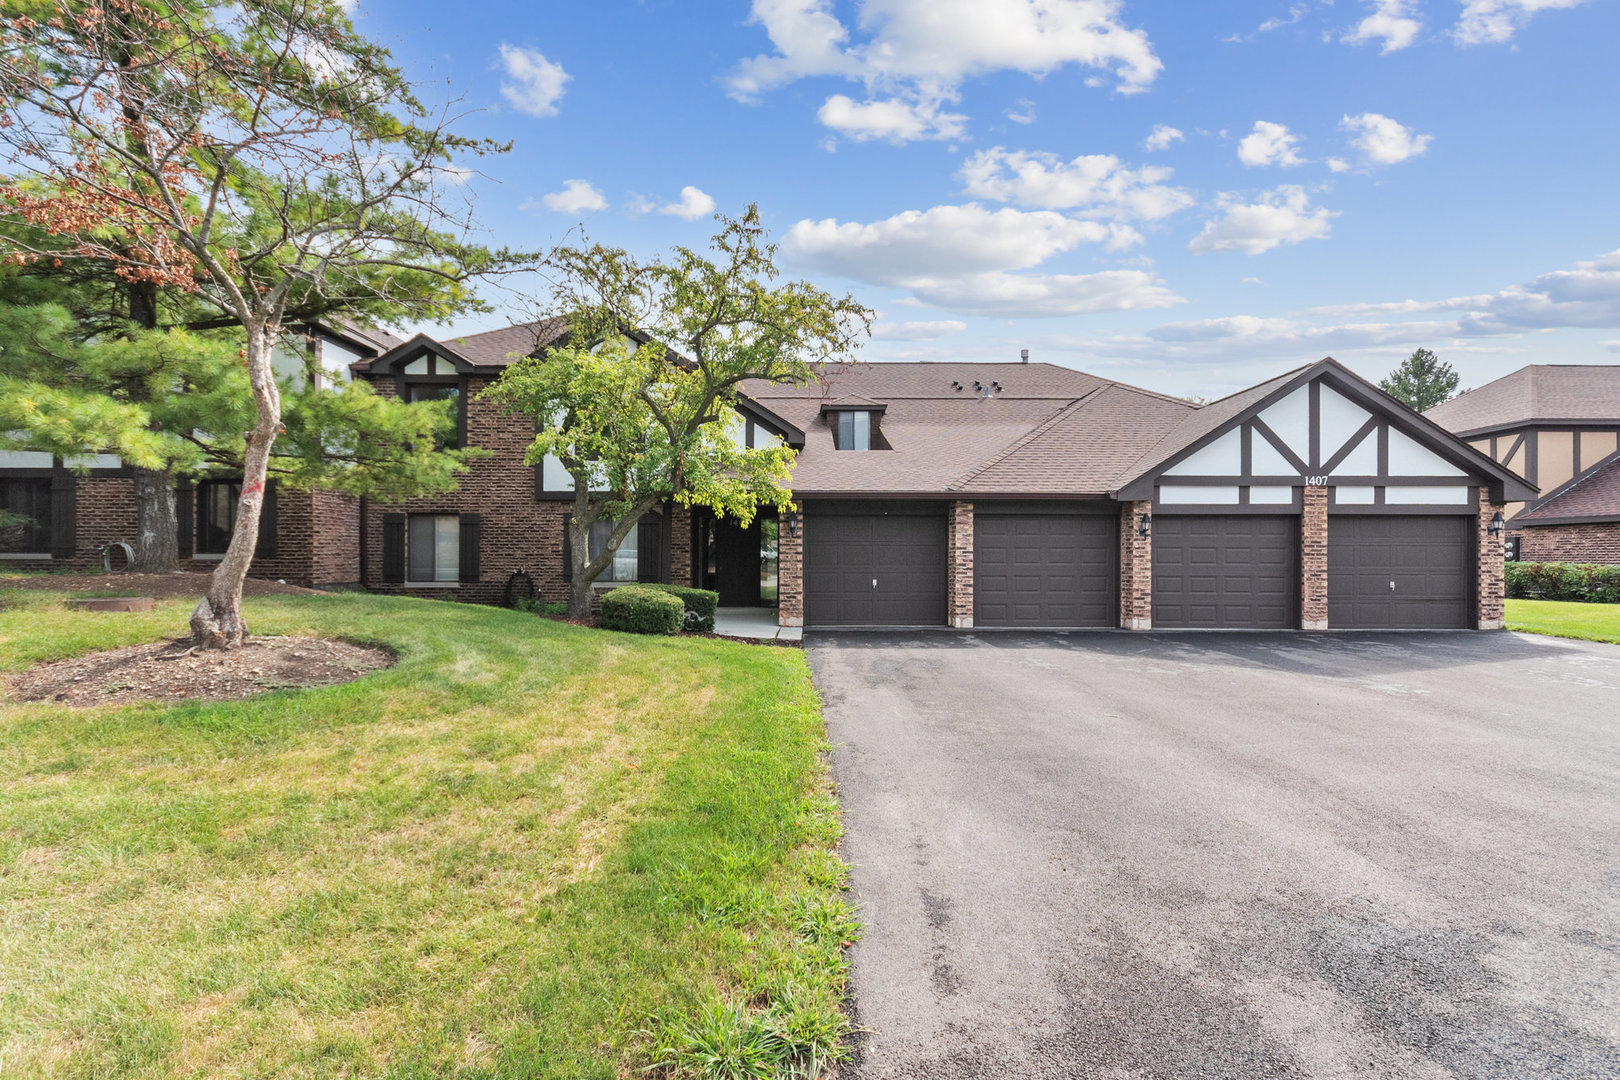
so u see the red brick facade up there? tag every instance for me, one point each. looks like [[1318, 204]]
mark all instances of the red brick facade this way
[[1595, 542], [790, 570], [1492, 569], [1135, 568], [1313, 560], [959, 565]]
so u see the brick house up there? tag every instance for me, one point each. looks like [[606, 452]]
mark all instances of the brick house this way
[[1557, 425], [990, 495], [927, 494], [305, 537]]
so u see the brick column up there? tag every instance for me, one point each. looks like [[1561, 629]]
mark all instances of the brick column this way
[[790, 570], [1313, 560], [1135, 569], [1492, 570], [959, 567]]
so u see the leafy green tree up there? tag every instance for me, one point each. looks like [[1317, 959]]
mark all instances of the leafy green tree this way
[[641, 417], [260, 156], [1422, 381]]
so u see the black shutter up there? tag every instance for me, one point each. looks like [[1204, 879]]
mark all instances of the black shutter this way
[[539, 481], [647, 543], [185, 494], [568, 551], [393, 568], [471, 526], [266, 548], [64, 514]]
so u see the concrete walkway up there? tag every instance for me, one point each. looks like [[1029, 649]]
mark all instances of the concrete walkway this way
[[756, 623]]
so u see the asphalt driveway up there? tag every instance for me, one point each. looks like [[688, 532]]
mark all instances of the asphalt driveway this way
[[1114, 855]]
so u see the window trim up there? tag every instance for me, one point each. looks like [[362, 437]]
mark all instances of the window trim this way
[[459, 382], [434, 582], [200, 519]]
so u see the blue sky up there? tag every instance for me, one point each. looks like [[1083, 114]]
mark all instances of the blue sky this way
[[1345, 177]]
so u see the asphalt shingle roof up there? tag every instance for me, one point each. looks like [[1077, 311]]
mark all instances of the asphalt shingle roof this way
[[1595, 495], [1536, 393]]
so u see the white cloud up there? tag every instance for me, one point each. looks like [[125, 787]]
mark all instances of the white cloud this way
[[1612, 346], [1022, 111], [1269, 144], [1382, 140], [920, 51], [1586, 296], [1494, 21], [883, 330], [893, 119], [961, 258], [535, 84], [1282, 216], [1338, 164], [693, 204], [576, 197], [1096, 184], [1161, 137], [1393, 22]]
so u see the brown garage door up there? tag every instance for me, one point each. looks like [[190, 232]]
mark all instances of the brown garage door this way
[[1229, 572], [1045, 569], [874, 564], [1398, 573]]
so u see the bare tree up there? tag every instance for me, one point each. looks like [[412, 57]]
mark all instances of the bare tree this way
[[261, 155]]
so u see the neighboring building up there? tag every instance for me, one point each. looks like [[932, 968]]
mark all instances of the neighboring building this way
[[1002, 495], [305, 537], [1558, 426]]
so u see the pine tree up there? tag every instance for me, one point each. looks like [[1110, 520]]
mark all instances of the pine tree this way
[[1422, 381]]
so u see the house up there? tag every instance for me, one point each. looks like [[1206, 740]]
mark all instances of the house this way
[[1558, 426], [1001, 495], [305, 537]]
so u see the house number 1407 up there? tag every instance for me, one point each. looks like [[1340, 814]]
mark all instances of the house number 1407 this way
[[1316, 481]]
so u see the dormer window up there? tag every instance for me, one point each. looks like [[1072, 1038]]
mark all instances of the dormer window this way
[[854, 423], [854, 430]]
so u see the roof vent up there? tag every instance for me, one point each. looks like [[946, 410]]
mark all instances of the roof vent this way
[[1023, 356]]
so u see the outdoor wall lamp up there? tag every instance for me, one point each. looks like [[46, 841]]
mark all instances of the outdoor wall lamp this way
[[1145, 527], [792, 522], [1497, 524]]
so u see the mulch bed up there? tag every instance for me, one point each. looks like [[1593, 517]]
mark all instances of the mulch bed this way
[[174, 671], [158, 586]]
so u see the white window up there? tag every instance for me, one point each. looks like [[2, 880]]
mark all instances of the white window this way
[[626, 560], [855, 430], [433, 548]]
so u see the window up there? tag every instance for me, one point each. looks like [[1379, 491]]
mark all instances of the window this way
[[216, 515], [448, 434], [25, 517], [625, 560], [769, 561], [854, 430], [433, 548]]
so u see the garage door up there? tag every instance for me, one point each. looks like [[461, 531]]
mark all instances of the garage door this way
[[1235, 572], [874, 565], [1045, 570], [1398, 573]]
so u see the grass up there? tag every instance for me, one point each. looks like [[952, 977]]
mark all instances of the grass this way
[[529, 850], [1592, 622]]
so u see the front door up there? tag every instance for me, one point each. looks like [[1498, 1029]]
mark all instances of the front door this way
[[729, 560]]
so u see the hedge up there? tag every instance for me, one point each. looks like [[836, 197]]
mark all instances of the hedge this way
[[636, 609], [701, 604], [1581, 582]]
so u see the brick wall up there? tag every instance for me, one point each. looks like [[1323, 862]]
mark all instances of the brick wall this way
[[293, 561], [790, 570], [1598, 542], [1313, 560], [959, 565], [335, 539], [1135, 569], [1492, 570]]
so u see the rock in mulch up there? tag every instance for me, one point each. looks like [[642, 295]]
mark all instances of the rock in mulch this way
[[174, 671]]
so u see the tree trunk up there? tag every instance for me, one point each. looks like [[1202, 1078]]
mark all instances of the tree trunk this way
[[580, 592], [157, 527], [217, 622]]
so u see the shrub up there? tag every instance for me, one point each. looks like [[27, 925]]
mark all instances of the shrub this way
[[1580, 582], [637, 609], [701, 604]]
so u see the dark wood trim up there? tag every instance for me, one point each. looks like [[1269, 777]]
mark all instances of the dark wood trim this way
[[1315, 423], [1403, 509], [1246, 450], [1278, 445], [1572, 519], [1030, 506], [1372, 425], [1234, 509], [1383, 449]]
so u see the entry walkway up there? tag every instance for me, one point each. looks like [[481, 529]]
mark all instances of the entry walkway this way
[[756, 623]]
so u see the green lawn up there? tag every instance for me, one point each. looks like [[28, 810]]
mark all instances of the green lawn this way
[[1594, 622], [529, 850]]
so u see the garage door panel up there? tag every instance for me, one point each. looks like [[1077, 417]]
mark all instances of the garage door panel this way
[[1225, 571], [900, 548], [1427, 558], [1044, 569]]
